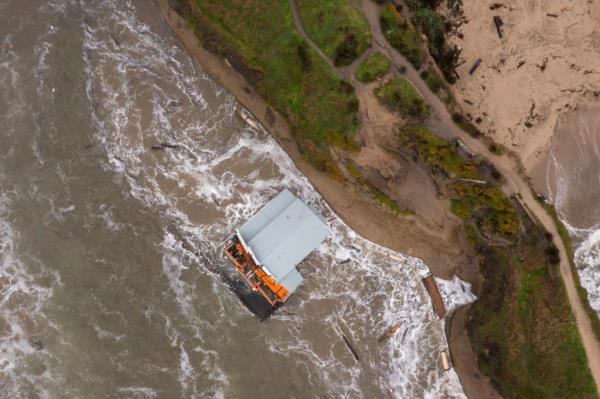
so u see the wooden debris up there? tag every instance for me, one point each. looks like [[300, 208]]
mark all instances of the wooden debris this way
[[496, 6], [520, 64], [552, 15], [498, 22], [389, 332], [469, 102], [475, 66], [344, 261], [445, 360], [434, 293], [349, 345], [162, 146]]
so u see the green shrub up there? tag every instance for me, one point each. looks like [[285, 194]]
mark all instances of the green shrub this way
[[401, 34], [372, 68], [340, 30], [399, 95]]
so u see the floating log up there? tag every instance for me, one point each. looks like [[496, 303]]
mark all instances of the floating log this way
[[162, 146], [349, 345], [434, 293], [475, 66], [445, 360], [389, 332], [498, 22]]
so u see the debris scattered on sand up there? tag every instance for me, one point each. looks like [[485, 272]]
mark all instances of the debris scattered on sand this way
[[498, 22], [552, 15], [475, 66]]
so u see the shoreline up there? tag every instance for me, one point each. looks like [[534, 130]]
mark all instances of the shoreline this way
[[362, 214]]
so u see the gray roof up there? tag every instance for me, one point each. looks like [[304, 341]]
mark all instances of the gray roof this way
[[283, 233]]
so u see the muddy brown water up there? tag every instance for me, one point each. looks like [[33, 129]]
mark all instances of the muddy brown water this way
[[110, 269]]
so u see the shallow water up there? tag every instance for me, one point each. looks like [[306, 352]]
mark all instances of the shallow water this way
[[573, 180], [110, 265]]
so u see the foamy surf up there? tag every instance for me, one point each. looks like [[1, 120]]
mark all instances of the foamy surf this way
[[221, 173]]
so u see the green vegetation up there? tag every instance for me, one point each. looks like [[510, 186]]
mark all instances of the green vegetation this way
[[583, 295], [428, 21], [341, 31], [437, 152], [372, 67], [399, 95], [379, 195], [485, 205], [496, 149], [521, 327], [437, 84], [465, 125], [259, 39], [401, 34]]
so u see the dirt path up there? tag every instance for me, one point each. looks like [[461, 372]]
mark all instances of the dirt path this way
[[441, 123]]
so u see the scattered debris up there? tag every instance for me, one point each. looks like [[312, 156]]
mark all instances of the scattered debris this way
[[498, 22], [404, 335], [552, 15], [434, 293], [474, 181], [543, 65], [349, 345], [469, 102], [496, 6], [249, 119], [344, 261], [117, 42], [162, 146], [520, 64], [342, 332], [464, 147], [38, 345], [391, 331], [475, 66], [445, 359]]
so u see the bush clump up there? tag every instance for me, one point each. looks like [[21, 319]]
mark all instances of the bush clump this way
[[372, 67], [399, 95], [401, 34]]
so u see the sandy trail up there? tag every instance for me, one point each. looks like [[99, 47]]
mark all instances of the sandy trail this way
[[442, 124], [515, 184]]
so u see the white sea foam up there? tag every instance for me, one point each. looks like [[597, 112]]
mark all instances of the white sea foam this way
[[370, 293]]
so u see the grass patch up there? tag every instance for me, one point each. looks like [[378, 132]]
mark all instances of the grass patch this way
[[399, 95], [260, 40], [340, 30], [372, 67], [401, 34], [522, 327]]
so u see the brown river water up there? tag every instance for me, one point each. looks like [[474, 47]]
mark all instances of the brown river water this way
[[110, 266]]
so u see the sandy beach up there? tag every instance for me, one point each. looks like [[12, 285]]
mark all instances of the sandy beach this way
[[545, 64]]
